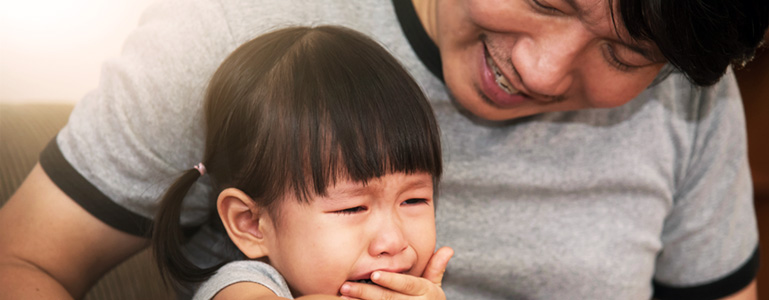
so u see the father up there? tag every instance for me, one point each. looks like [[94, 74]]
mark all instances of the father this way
[[595, 149]]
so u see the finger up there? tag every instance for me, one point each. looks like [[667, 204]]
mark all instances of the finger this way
[[402, 283], [367, 291], [437, 265]]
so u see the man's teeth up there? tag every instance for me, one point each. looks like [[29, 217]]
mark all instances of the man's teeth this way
[[499, 78], [365, 281]]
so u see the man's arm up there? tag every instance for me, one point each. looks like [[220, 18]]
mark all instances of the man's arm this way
[[51, 248]]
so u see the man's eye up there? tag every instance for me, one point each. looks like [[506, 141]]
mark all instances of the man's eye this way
[[615, 62], [545, 7], [620, 58], [414, 201], [351, 210]]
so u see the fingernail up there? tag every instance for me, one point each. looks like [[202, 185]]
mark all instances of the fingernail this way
[[345, 288], [375, 275]]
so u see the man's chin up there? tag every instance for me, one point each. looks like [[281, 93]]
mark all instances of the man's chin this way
[[479, 109]]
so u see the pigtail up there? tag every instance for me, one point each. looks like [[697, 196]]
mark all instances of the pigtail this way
[[168, 236]]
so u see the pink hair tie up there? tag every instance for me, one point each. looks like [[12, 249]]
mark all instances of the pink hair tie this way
[[201, 168]]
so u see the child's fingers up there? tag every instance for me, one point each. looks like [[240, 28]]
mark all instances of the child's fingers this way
[[400, 286], [404, 284], [437, 265], [368, 291]]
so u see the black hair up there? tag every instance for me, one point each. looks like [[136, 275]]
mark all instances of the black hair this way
[[699, 38], [292, 111]]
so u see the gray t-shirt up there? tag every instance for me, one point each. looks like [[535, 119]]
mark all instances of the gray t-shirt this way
[[244, 271], [653, 197]]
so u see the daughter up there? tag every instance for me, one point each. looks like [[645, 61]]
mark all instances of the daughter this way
[[325, 156]]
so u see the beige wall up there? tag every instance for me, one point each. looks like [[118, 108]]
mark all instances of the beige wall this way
[[52, 50]]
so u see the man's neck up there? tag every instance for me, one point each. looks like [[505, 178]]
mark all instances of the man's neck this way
[[426, 11]]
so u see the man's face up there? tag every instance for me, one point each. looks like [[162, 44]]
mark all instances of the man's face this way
[[387, 224], [504, 59]]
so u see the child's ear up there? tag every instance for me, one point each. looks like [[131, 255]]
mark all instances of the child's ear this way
[[245, 222]]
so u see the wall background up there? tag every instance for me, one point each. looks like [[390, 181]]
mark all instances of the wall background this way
[[52, 50]]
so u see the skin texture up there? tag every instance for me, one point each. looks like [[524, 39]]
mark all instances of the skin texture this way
[[386, 226]]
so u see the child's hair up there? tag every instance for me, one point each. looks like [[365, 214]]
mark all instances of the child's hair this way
[[294, 110]]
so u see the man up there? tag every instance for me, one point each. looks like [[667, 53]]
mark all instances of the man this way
[[577, 166]]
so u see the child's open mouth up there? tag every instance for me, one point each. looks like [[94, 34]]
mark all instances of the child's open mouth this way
[[365, 281]]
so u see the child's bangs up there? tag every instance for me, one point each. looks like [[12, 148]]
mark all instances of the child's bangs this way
[[325, 104], [353, 115]]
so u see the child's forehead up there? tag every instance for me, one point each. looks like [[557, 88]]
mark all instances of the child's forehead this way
[[347, 187]]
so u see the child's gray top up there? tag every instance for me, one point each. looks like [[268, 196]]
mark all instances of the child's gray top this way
[[649, 198], [244, 271]]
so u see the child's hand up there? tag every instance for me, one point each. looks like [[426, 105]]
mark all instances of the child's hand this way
[[400, 286]]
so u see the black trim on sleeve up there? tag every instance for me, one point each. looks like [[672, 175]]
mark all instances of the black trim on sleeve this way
[[423, 46], [88, 196], [720, 288]]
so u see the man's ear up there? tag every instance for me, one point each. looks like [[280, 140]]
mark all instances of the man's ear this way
[[245, 222]]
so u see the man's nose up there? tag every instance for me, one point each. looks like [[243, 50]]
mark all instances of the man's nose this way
[[388, 238], [546, 60]]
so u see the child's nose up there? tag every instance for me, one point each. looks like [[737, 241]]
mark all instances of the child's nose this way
[[388, 238]]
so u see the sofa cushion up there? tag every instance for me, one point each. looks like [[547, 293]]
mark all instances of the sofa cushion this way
[[25, 129]]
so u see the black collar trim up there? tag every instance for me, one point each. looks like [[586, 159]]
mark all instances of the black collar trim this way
[[423, 46]]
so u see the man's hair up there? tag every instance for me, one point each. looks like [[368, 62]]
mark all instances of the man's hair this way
[[700, 38], [291, 112]]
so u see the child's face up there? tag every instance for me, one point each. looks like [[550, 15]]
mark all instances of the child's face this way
[[388, 224]]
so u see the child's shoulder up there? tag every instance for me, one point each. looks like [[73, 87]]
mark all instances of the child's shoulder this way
[[267, 280]]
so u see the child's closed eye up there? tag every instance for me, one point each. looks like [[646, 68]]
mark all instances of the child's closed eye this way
[[351, 210], [415, 201]]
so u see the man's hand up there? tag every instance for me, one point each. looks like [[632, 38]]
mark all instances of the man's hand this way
[[400, 286]]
